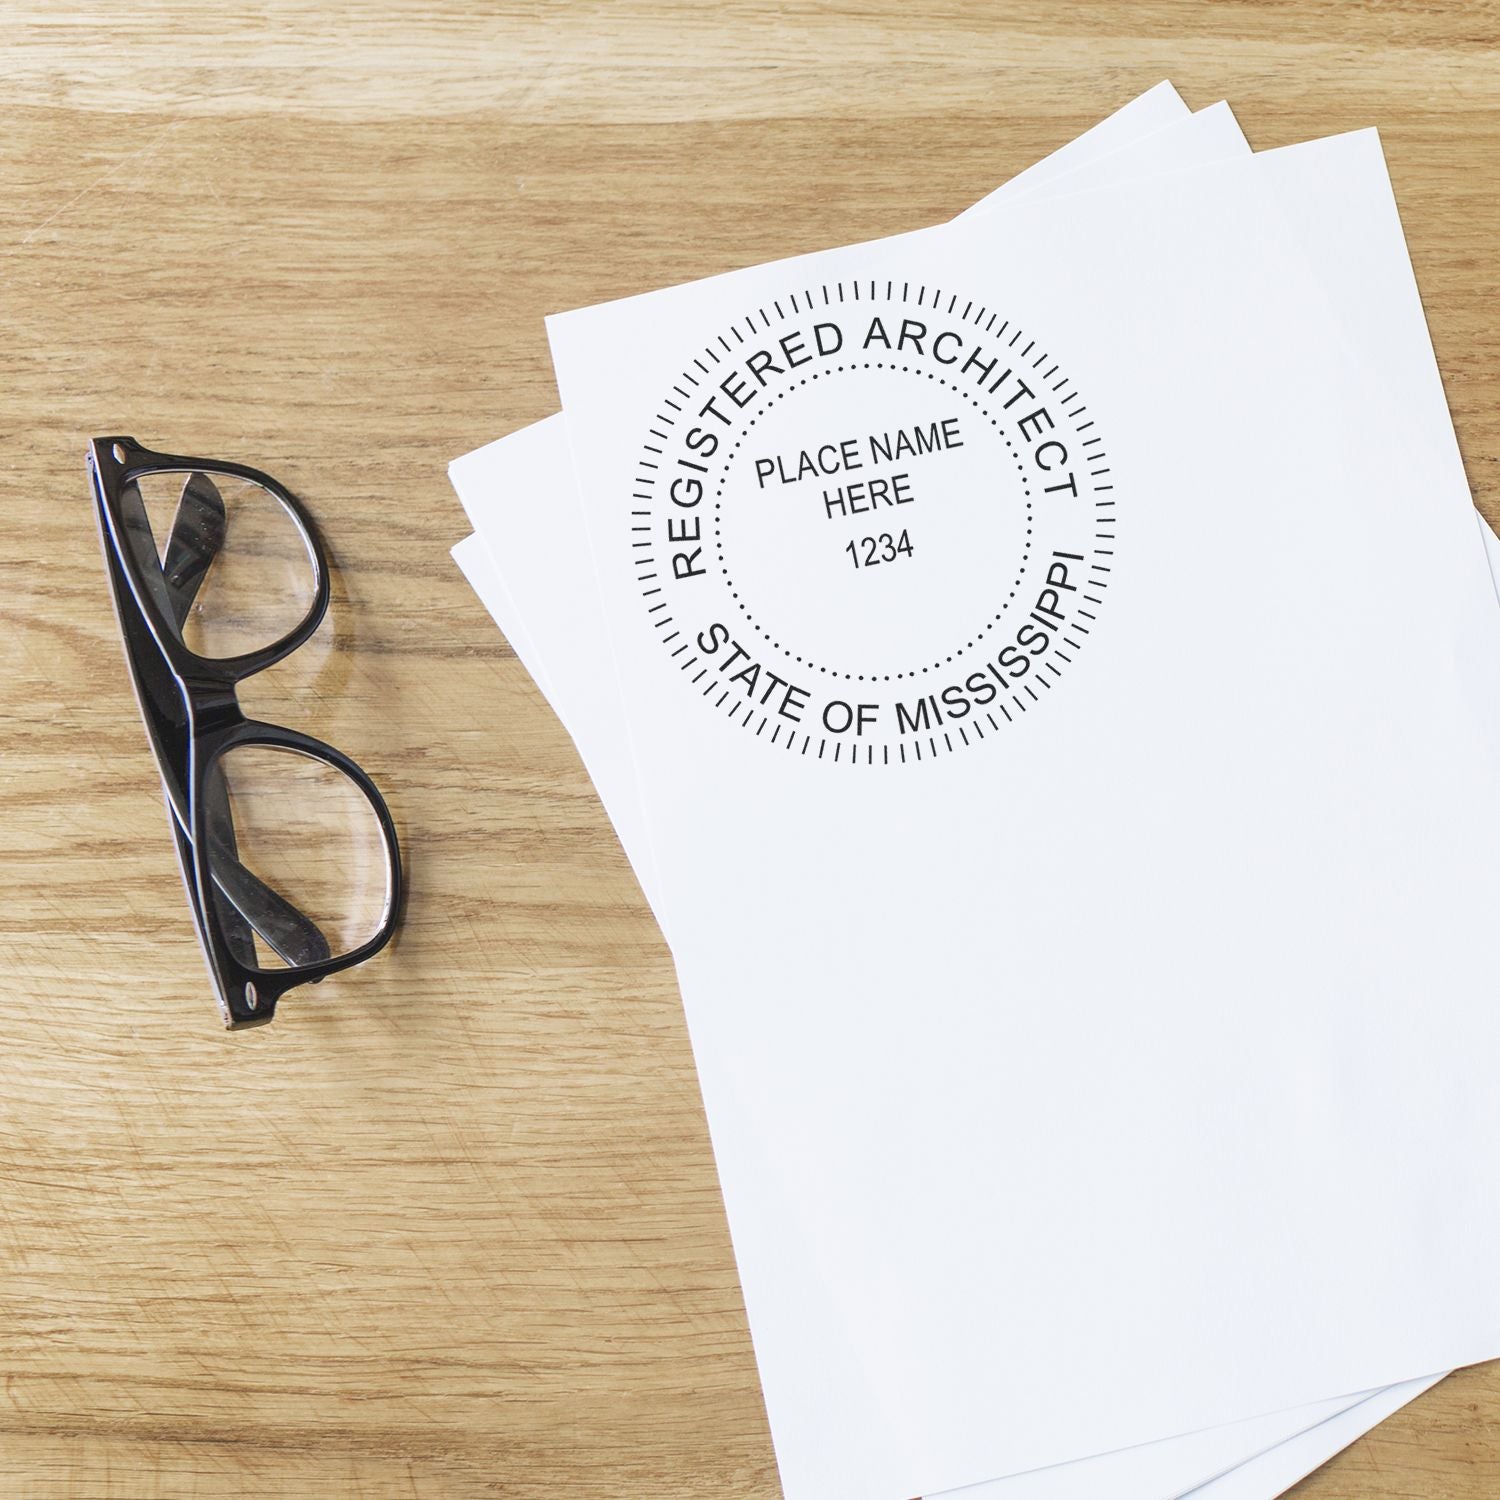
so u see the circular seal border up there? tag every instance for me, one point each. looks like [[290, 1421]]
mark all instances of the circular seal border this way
[[1094, 464]]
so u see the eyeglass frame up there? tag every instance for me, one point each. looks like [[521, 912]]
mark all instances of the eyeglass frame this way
[[190, 744]]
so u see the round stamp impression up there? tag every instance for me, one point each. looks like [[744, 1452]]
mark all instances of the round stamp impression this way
[[873, 523]]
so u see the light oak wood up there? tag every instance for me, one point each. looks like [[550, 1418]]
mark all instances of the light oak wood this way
[[450, 1227]]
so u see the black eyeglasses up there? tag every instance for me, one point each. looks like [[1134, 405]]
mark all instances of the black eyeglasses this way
[[287, 849]]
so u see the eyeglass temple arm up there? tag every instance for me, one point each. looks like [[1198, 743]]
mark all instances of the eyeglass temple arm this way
[[197, 536]]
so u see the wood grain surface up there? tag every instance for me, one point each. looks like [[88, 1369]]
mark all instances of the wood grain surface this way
[[450, 1226]]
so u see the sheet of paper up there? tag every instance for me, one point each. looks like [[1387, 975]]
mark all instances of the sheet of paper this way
[[513, 630], [1148, 112], [1194, 139], [712, 789], [526, 572], [1279, 1468]]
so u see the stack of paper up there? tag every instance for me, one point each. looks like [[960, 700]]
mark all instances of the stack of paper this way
[[1045, 673]]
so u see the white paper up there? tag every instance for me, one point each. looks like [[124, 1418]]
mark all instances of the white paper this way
[[791, 1076], [514, 631], [966, 1491], [1148, 112], [1279, 1468]]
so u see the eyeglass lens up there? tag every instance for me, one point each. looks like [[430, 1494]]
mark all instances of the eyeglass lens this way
[[296, 854], [236, 567]]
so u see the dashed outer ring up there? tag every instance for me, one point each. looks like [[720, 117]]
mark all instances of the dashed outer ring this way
[[738, 709]]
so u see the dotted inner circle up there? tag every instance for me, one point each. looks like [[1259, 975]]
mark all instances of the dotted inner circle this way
[[873, 364]]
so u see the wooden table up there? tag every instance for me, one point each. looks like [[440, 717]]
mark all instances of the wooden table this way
[[450, 1227]]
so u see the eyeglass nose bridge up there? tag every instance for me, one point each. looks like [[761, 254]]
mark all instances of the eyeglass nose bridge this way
[[213, 707]]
